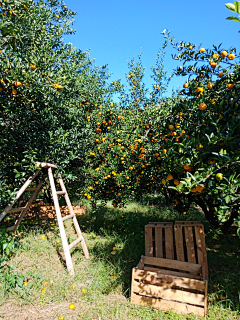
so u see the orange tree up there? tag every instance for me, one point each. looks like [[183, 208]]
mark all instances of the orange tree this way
[[185, 147], [47, 88]]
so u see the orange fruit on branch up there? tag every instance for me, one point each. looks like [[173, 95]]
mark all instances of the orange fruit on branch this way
[[185, 86], [202, 106], [223, 54], [231, 56]]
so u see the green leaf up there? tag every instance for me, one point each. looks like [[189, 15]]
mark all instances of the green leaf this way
[[233, 19], [237, 6], [230, 6], [227, 199]]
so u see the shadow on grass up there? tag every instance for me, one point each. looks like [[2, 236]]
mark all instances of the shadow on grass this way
[[122, 243]]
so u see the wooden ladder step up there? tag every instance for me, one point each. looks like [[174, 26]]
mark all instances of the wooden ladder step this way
[[68, 217], [75, 242], [16, 209], [60, 192]]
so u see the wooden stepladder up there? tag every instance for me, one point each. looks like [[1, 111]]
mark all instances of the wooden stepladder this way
[[23, 210]]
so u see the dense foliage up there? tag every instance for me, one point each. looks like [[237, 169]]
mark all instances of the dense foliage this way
[[57, 107]]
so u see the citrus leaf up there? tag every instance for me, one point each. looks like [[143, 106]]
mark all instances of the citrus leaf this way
[[230, 6], [233, 19], [237, 6]]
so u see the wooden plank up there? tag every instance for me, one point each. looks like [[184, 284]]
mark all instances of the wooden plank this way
[[16, 209], [179, 242], [199, 245], [158, 243], [45, 165], [174, 273], [166, 305], [60, 224], [173, 264], [68, 217], [186, 223], [201, 248], [169, 281], [167, 293], [75, 222], [169, 242], [148, 242], [205, 300], [159, 224], [74, 243], [27, 206], [59, 193], [190, 244], [18, 195]]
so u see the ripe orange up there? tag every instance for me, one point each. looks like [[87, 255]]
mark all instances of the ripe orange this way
[[17, 83], [231, 56], [199, 89], [191, 47], [215, 56], [202, 106], [213, 65], [176, 182], [164, 181], [209, 86], [224, 54], [164, 151], [220, 74], [169, 177], [180, 68], [202, 50], [14, 91], [185, 85], [171, 127], [230, 86]]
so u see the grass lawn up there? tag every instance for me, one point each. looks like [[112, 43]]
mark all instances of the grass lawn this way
[[101, 287]]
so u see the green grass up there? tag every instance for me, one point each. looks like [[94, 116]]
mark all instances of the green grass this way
[[102, 284]]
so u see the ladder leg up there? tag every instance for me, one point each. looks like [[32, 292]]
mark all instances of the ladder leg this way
[[22, 214], [75, 222], [60, 224], [18, 195]]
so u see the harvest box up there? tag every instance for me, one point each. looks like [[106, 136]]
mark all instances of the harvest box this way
[[40, 210], [170, 284]]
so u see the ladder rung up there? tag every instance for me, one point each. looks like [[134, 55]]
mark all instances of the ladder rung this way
[[31, 189], [68, 217], [60, 192], [75, 242], [16, 209]]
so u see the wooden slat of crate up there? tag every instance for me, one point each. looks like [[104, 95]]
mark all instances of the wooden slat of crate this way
[[148, 242], [166, 293], [151, 288], [190, 244], [169, 281], [179, 242], [201, 248], [158, 243], [173, 273], [166, 305], [192, 268]]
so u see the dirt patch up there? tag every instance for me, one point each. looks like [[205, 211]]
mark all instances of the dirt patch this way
[[11, 311]]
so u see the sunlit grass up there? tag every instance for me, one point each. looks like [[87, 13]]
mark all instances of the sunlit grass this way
[[115, 239]]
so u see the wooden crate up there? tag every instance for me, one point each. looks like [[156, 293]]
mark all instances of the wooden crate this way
[[170, 284], [40, 210], [182, 241]]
